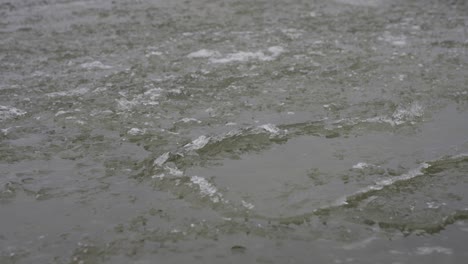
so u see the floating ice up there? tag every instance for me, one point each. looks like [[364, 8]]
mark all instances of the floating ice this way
[[153, 53], [198, 143], [270, 128], [7, 112], [434, 205], [125, 104], [409, 175], [61, 112], [203, 53], [95, 65], [206, 188], [276, 51], [149, 97], [359, 244], [431, 250], [386, 182], [174, 171], [153, 93], [135, 131], [361, 165], [158, 176], [243, 56], [247, 205], [240, 56], [394, 40], [361, 2], [161, 160], [402, 114], [74, 92], [187, 120]]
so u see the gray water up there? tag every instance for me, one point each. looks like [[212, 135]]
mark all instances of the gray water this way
[[233, 131]]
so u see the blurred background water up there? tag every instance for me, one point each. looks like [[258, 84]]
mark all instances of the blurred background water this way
[[209, 131]]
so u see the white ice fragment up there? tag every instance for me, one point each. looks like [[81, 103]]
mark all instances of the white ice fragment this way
[[385, 182], [153, 93], [240, 57], [276, 51], [161, 159], [409, 175], [198, 143], [159, 176], [243, 56], [434, 205], [125, 104], [247, 205], [431, 250], [402, 114], [61, 112], [206, 188], [361, 165], [10, 112], [153, 53], [270, 128], [359, 244], [203, 53], [174, 171], [74, 92], [136, 131], [95, 65], [394, 40], [187, 119]]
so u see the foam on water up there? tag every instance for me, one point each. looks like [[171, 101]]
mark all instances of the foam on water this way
[[8, 112]]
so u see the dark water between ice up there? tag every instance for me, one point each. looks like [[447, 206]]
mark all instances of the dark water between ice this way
[[233, 131]]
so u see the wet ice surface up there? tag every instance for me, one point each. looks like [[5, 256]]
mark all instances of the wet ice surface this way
[[256, 131]]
